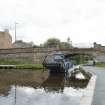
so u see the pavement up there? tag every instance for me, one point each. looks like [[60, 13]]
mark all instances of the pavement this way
[[99, 95]]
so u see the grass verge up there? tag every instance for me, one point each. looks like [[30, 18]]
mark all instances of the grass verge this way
[[24, 66], [100, 64], [29, 66]]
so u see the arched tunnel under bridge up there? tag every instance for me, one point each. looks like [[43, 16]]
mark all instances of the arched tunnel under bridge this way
[[79, 58]]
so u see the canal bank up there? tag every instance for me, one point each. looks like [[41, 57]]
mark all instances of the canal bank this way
[[99, 94], [23, 66], [89, 92]]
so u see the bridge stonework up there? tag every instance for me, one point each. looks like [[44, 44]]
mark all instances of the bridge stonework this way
[[36, 55]]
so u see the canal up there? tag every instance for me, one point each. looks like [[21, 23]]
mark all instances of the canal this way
[[29, 87]]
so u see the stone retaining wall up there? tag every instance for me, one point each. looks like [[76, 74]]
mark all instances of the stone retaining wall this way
[[36, 55], [87, 97], [24, 55]]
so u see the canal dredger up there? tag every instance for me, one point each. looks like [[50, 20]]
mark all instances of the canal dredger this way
[[57, 62]]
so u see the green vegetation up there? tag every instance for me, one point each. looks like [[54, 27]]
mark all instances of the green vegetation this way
[[52, 42], [20, 64], [80, 59], [56, 43], [102, 64], [13, 62], [29, 66], [65, 45]]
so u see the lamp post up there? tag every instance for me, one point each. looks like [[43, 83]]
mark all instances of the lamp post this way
[[15, 31]]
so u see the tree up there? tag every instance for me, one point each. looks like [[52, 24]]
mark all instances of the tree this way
[[65, 45], [56, 43], [52, 42]]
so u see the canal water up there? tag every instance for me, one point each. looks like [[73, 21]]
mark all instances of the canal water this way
[[28, 87]]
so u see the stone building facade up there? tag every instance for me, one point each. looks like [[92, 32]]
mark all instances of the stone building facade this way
[[5, 40]]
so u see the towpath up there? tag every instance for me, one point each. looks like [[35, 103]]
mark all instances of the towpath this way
[[99, 95]]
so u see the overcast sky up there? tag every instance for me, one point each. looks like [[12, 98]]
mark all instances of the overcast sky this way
[[81, 20]]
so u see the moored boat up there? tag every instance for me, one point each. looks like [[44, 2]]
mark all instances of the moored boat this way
[[57, 62]]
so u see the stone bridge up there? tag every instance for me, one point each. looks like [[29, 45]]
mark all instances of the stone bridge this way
[[36, 55], [82, 51]]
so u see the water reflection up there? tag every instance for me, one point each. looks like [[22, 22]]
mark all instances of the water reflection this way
[[38, 88], [57, 82], [31, 96]]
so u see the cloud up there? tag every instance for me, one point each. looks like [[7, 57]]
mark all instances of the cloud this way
[[81, 20]]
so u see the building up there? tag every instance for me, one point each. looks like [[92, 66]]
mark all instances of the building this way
[[5, 39], [99, 47], [21, 44]]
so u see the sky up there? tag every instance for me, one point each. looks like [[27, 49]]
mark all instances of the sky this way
[[81, 20]]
